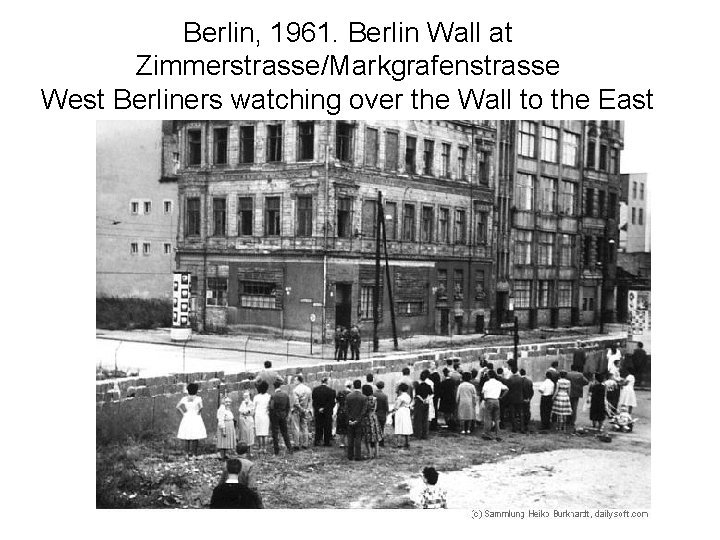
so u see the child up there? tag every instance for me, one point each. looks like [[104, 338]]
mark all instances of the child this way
[[432, 496]]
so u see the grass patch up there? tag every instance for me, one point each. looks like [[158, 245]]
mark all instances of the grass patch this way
[[114, 313]]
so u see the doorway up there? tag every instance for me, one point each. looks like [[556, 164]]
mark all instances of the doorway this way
[[343, 304], [444, 322]]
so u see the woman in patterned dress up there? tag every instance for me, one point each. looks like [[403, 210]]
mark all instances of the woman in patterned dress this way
[[341, 418], [192, 428], [370, 424], [246, 421], [261, 401], [226, 437], [561, 401]]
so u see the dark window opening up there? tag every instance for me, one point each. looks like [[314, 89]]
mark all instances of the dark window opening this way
[[245, 216], [247, 144], [306, 139], [343, 141], [220, 146], [194, 146], [274, 142]]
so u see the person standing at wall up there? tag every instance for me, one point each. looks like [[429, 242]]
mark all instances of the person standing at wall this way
[[421, 406], [356, 409], [547, 391], [344, 343], [577, 384], [466, 398], [279, 408], [323, 402], [493, 390], [300, 414], [354, 342], [382, 409], [192, 428], [401, 412], [261, 403], [338, 335], [514, 401], [446, 399], [226, 438]]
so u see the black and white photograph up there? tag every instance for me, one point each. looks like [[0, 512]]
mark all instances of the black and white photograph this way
[[374, 314]]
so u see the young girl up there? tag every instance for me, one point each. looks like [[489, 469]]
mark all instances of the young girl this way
[[192, 428], [401, 411], [261, 401], [561, 401], [226, 438], [597, 402]]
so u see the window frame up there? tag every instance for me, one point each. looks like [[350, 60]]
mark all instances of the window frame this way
[[242, 213], [246, 145], [272, 218], [305, 139], [549, 144], [274, 150], [304, 216], [219, 223], [527, 139]]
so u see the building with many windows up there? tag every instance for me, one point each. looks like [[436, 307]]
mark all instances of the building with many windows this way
[[279, 223], [136, 210]]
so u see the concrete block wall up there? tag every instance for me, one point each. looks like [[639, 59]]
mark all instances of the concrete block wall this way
[[138, 406]]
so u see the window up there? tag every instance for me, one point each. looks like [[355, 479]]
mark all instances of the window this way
[[458, 284], [369, 218], [546, 241], [146, 248], [192, 227], [167, 248], [523, 247], [614, 165], [640, 216], [245, 216], [602, 160], [343, 141], [566, 250], [443, 226], [590, 209], [524, 192], [522, 293], [216, 292], [544, 299], [590, 161], [428, 218], [565, 291], [391, 151], [634, 190], [548, 191], [571, 143], [366, 301], [220, 139], [567, 198], [588, 303], [428, 157], [442, 278], [257, 294], [642, 191], [410, 155], [481, 227], [274, 142], [344, 217], [528, 132], [601, 202], [479, 283], [272, 216], [194, 147], [445, 160], [462, 162], [147, 207], [391, 220], [409, 223], [247, 144], [167, 207], [219, 206], [133, 248], [632, 213], [612, 205], [588, 261], [483, 169], [460, 227], [411, 308], [134, 207], [371, 147], [304, 215], [549, 150], [306, 140]]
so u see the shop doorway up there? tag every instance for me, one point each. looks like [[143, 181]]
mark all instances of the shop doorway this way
[[343, 304]]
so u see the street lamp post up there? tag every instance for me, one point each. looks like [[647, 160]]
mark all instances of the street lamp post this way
[[610, 243]]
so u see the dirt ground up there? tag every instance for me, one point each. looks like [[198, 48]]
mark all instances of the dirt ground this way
[[550, 470]]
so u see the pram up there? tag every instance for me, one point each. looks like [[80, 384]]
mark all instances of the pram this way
[[620, 420]]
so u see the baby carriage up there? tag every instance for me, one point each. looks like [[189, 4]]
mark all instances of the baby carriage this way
[[620, 419]]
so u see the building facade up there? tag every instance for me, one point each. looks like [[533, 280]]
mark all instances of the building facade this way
[[484, 221], [136, 210]]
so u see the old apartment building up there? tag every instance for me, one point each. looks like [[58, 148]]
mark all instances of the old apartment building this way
[[278, 220], [484, 221]]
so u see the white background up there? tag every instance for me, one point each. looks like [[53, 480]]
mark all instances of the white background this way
[[48, 221]]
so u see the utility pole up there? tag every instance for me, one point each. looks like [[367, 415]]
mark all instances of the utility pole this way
[[516, 341], [376, 289], [387, 278]]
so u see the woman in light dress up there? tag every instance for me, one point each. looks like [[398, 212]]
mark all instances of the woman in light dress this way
[[261, 401], [246, 421], [192, 428], [627, 391], [226, 438], [561, 407], [401, 412], [613, 354]]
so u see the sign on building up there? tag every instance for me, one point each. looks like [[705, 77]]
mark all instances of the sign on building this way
[[181, 306]]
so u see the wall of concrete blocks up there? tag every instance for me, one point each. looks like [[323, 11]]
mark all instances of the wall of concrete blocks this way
[[138, 407]]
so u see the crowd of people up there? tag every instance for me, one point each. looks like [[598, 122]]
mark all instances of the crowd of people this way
[[356, 416]]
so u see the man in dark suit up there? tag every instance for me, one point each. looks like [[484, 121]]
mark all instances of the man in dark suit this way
[[232, 493], [447, 399], [323, 401], [514, 400], [382, 409], [577, 382], [356, 408], [279, 407], [528, 393]]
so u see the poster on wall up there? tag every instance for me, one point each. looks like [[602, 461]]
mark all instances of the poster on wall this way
[[638, 315], [181, 292]]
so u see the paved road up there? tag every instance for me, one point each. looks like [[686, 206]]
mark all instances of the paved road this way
[[155, 359]]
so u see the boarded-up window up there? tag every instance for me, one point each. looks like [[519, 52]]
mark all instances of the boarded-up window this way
[[371, 147], [369, 218], [391, 151]]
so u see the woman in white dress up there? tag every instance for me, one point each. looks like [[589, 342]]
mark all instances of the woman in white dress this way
[[261, 401], [401, 412], [246, 421], [627, 391], [613, 354], [226, 438], [192, 428]]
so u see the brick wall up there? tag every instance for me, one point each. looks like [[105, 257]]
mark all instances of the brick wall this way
[[139, 406]]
